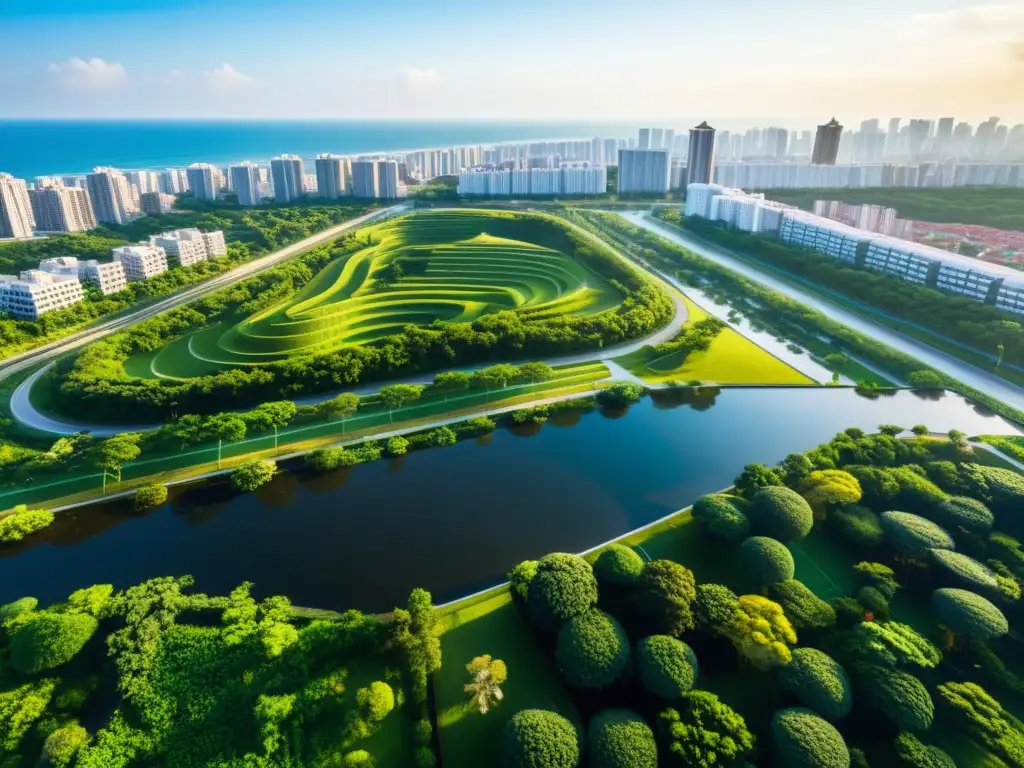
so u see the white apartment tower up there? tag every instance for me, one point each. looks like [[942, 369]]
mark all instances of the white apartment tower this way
[[387, 179], [62, 209], [245, 180], [645, 171], [364, 178], [35, 293], [16, 218], [288, 176], [186, 247], [173, 182], [141, 262], [111, 196], [203, 180], [332, 176]]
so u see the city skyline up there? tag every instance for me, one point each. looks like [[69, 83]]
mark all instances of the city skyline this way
[[911, 57]]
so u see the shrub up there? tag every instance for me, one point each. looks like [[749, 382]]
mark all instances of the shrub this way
[[914, 534], [150, 497], [91, 600], [521, 576], [376, 701], [425, 758], [562, 588], [619, 738], [537, 738], [22, 522], [819, 681], [714, 606], [703, 732], [397, 446], [756, 477], [966, 613], [967, 513], [804, 740], [359, 758], [618, 565], [874, 602], [766, 561], [971, 708], [18, 607], [891, 643], [781, 514], [719, 516], [761, 632], [879, 576], [849, 612], [1003, 487], [914, 754], [858, 524], [667, 592], [620, 393], [802, 607], [328, 459], [443, 436], [899, 696], [826, 488], [965, 568], [592, 650], [63, 745], [47, 640], [666, 667], [423, 731], [916, 492], [250, 475]]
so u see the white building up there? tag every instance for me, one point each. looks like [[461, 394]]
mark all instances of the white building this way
[[145, 181], [173, 181], [364, 178], [583, 179], [141, 262], [734, 207], [289, 177], [16, 217], [203, 180], [108, 276], [387, 179], [247, 183], [838, 240], [156, 202], [111, 196], [644, 171], [62, 209], [572, 179], [333, 176], [35, 293], [186, 247]]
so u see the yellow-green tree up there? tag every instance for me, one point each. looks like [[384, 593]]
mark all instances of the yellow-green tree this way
[[827, 487], [761, 632], [488, 674]]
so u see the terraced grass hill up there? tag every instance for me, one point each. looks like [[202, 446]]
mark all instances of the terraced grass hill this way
[[429, 267]]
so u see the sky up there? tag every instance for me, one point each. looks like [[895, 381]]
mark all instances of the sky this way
[[792, 60]]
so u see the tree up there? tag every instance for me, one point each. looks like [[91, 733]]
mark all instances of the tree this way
[[781, 513], [488, 675], [720, 516], [666, 593], [342, 406], [666, 667], [273, 415], [983, 719], [397, 446], [563, 587], [802, 607], [968, 614], [520, 577], [914, 754], [703, 732], [150, 497], [620, 393], [826, 488], [618, 565], [17, 608], [892, 430], [920, 430], [756, 477], [898, 695], [592, 650], [804, 740], [91, 600], [398, 395], [926, 379], [858, 524], [229, 427], [495, 376], [537, 738], [250, 475], [22, 521], [714, 606], [376, 701], [914, 534], [46, 640], [766, 561], [761, 632], [619, 738], [113, 453], [819, 681], [452, 381], [532, 372], [967, 513], [877, 575], [967, 569], [62, 746], [891, 644], [1003, 488], [358, 758], [795, 469]]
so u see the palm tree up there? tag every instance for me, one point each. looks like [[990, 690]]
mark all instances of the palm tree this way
[[488, 675]]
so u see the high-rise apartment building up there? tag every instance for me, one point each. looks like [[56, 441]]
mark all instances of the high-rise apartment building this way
[[16, 217], [62, 209], [644, 141], [289, 177], [245, 181], [173, 181], [35, 293], [153, 203], [332, 176], [644, 171], [145, 181], [364, 178], [203, 180], [826, 143], [944, 136], [918, 133], [387, 179], [657, 138], [111, 196], [700, 159], [776, 142]]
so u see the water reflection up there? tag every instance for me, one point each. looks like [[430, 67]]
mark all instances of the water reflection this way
[[698, 398]]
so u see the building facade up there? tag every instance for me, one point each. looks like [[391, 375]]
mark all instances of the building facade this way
[[108, 276], [203, 181], [156, 202], [644, 171], [288, 176], [141, 262], [16, 217], [111, 196], [826, 143], [333, 176], [246, 183], [186, 247], [35, 293], [700, 158]]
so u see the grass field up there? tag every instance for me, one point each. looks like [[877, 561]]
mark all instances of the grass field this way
[[731, 359], [455, 267]]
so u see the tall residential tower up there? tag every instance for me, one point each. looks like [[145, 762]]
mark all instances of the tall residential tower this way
[[826, 143], [700, 163]]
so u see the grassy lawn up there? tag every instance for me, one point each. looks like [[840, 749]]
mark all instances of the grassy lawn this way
[[492, 626], [1011, 446]]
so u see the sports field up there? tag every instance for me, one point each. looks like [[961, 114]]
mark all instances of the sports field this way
[[437, 266]]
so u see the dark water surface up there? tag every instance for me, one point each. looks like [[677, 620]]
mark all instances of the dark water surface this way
[[456, 519]]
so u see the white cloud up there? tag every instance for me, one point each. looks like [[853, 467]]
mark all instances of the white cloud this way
[[226, 76], [94, 74], [421, 78]]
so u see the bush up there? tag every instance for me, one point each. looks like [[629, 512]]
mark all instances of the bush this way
[[17, 607], [620, 393], [720, 516], [766, 561], [914, 534], [781, 513], [521, 576], [913, 754], [562, 588], [359, 758], [874, 602], [667, 592], [63, 745], [858, 524], [425, 758], [965, 568], [376, 701], [250, 475], [899, 696], [970, 707], [592, 650], [715, 606], [423, 731], [619, 738], [618, 565], [849, 612], [761, 632], [877, 575], [967, 513], [819, 682], [443, 436], [1004, 488], [802, 607], [756, 476], [666, 667], [966, 613], [150, 497], [703, 732], [891, 643], [537, 738], [47, 640], [22, 522], [826, 488], [397, 446], [804, 740]]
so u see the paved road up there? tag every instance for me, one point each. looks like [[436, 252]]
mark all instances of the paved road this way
[[975, 377], [50, 351]]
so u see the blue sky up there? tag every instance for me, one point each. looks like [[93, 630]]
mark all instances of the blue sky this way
[[528, 59]]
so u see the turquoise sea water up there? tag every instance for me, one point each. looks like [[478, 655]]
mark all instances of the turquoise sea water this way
[[30, 148]]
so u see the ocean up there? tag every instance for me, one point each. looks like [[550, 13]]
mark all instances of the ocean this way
[[30, 148]]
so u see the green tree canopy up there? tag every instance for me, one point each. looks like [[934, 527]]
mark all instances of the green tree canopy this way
[[703, 732], [592, 650], [520, 577], [804, 740], [756, 477], [618, 738], [967, 513], [982, 718], [376, 701], [766, 560], [62, 746], [891, 643], [819, 681], [150, 497], [537, 738], [858, 524], [966, 569], [715, 606], [781, 513], [250, 475], [562, 587], [720, 516], [46, 640], [761, 632], [398, 395], [826, 488], [667, 667], [802, 607], [618, 564], [914, 534], [667, 592], [966, 613], [898, 695], [914, 754]]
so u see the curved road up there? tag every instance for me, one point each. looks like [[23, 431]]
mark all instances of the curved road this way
[[975, 377]]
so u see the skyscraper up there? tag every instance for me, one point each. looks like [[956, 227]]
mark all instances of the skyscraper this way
[[892, 141], [111, 196], [16, 219], [657, 138], [917, 136], [62, 209], [173, 181], [332, 176], [203, 180], [364, 178], [645, 171], [826, 143], [700, 163], [387, 179], [644, 142], [944, 136], [245, 180], [776, 142], [288, 176]]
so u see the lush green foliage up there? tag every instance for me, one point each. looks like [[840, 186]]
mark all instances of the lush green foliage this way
[[969, 614], [592, 650], [667, 667], [891, 643], [562, 588], [376, 700], [820, 683], [17, 608], [721, 516], [150, 497], [859, 524], [982, 718], [766, 561], [914, 534], [22, 521], [755, 477], [781, 513], [898, 695], [802, 607], [620, 393], [46, 640], [704, 732], [1003, 489], [618, 565], [536, 738], [715, 606], [914, 754], [965, 512], [667, 592], [804, 740], [618, 738], [761, 632], [966, 569], [62, 746], [825, 488], [250, 475]]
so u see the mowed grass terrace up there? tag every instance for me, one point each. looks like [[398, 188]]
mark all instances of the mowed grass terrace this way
[[452, 266]]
